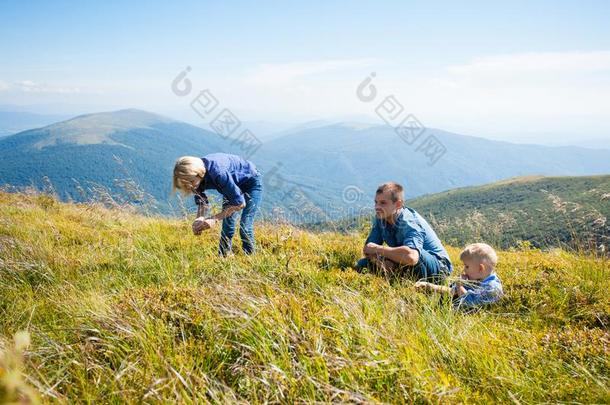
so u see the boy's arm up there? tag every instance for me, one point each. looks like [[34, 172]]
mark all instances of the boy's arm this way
[[232, 193], [227, 211], [203, 204], [441, 289], [202, 209]]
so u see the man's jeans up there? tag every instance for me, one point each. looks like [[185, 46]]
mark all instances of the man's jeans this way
[[429, 268], [253, 192]]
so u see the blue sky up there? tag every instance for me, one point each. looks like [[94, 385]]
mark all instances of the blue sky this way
[[507, 71]]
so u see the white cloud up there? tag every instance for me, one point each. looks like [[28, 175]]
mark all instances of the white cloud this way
[[288, 73], [4, 85], [517, 94], [536, 62], [29, 86]]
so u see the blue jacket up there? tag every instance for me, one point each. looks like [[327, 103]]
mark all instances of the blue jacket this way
[[225, 173], [485, 292]]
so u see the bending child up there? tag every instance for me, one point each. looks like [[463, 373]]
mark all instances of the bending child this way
[[239, 183]]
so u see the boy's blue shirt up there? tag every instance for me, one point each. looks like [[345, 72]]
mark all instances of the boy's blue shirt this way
[[410, 229], [225, 173], [488, 291]]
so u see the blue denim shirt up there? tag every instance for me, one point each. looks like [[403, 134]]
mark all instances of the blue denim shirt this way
[[225, 173], [487, 291], [410, 229]]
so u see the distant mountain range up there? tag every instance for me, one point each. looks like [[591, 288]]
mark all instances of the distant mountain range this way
[[311, 174], [344, 163], [105, 149], [12, 122]]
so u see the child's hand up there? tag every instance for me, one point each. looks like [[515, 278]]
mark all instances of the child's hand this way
[[422, 286], [425, 286], [198, 225], [209, 223]]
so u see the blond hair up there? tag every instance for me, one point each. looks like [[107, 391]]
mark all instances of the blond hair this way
[[186, 170], [481, 252], [395, 189]]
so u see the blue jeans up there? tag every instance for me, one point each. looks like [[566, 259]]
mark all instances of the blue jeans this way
[[428, 268], [253, 192]]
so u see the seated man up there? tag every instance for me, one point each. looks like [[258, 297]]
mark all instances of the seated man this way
[[412, 246]]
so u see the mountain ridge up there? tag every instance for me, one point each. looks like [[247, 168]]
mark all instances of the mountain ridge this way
[[321, 162]]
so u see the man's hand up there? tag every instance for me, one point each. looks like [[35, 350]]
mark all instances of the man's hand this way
[[371, 249]]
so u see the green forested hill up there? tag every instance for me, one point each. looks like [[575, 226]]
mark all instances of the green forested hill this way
[[542, 210], [127, 155]]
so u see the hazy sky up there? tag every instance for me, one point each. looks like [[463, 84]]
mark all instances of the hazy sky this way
[[508, 70]]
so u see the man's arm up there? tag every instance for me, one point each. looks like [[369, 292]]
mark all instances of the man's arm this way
[[375, 238], [401, 254], [375, 235], [412, 238]]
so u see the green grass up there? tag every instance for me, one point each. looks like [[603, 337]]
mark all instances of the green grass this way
[[125, 308]]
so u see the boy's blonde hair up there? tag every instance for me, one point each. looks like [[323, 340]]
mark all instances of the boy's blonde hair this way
[[481, 252], [187, 169], [395, 189]]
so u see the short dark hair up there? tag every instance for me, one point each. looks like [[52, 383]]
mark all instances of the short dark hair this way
[[395, 189]]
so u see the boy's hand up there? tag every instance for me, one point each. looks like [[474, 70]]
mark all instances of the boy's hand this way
[[371, 248], [422, 285], [425, 286], [459, 281]]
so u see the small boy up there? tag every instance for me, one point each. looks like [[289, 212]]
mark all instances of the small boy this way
[[479, 285]]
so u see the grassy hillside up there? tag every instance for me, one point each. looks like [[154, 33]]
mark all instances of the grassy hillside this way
[[104, 305], [545, 211]]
